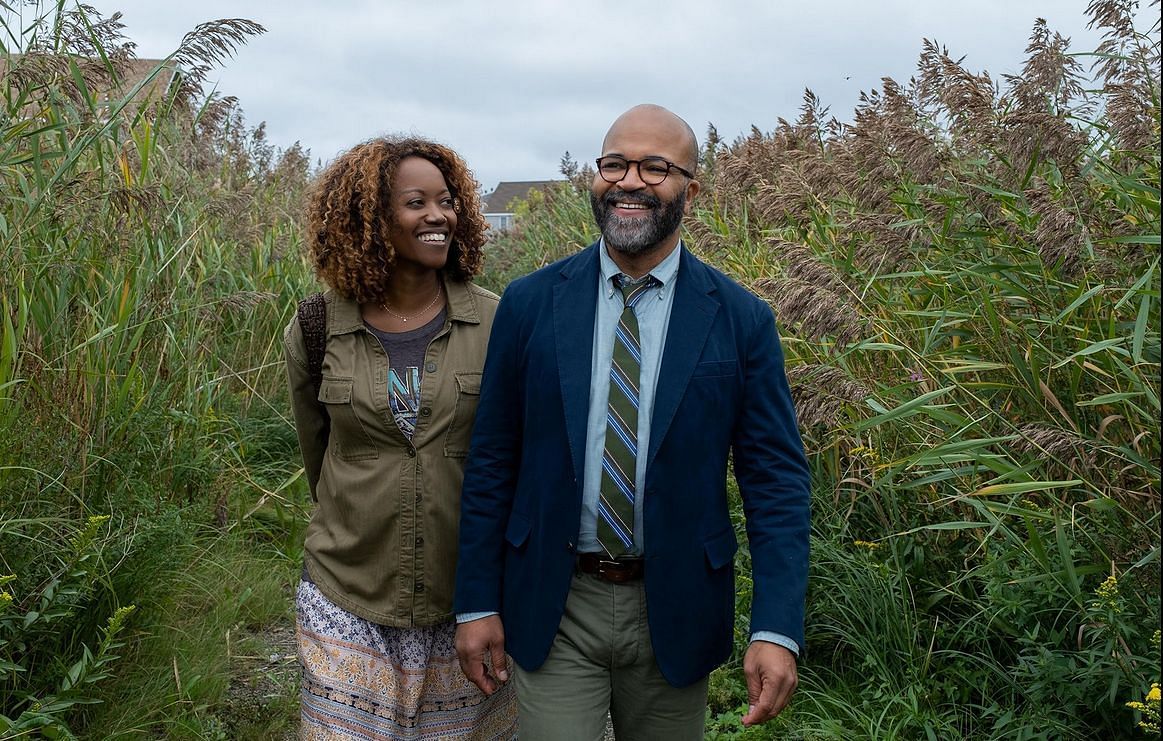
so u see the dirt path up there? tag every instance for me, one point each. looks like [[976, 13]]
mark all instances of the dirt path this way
[[263, 698]]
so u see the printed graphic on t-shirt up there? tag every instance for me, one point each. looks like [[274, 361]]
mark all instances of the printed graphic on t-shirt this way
[[404, 396]]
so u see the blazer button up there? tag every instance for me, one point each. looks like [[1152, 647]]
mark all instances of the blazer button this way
[[569, 546]]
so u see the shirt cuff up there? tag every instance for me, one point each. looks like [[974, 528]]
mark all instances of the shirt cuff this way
[[468, 617], [778, 639]]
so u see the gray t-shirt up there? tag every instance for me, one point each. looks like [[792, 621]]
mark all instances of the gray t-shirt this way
[[405, 352]]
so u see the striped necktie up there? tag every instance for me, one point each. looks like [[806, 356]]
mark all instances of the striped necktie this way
[[616, 497]]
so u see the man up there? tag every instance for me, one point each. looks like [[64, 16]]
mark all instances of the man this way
[[596, 544]]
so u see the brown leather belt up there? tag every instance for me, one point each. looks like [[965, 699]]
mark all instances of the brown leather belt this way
[[620, 571]]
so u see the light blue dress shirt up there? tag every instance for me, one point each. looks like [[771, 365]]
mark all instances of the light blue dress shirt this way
[[653, 313]]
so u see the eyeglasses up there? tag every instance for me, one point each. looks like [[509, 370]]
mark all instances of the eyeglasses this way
[[652, 170]]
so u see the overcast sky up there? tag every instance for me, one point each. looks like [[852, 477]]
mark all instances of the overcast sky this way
[[513, 84]]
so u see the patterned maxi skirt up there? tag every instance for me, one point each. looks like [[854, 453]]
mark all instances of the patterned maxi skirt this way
[[367, 681]]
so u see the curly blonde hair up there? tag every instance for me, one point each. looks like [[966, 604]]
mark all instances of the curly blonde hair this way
[[349, 216]]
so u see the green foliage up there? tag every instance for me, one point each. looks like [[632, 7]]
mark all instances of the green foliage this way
[[150, 243], [183, 677], [549, 225], [42, 676]]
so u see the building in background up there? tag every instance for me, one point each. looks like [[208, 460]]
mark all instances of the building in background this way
[[108, 83], [499, 205]]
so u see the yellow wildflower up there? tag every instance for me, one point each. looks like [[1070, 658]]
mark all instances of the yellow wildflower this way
[[1108, 591], [866, 453], [1149, 709], [866, 544]]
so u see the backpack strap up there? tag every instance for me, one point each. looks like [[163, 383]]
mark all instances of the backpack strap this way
[[312, 316]]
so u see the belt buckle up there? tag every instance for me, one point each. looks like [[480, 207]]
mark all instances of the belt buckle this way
[[610, 570], [615, 572]]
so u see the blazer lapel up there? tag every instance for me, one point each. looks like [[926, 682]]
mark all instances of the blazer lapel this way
[[575, 300], [691, 316]]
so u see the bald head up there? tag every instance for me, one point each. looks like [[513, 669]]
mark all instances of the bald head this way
[[640, 211], [653, 122]]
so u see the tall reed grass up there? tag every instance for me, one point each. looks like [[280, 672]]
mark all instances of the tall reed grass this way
[[150, 250], [966, 276]]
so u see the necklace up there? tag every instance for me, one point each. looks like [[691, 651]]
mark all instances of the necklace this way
[[423, 311]]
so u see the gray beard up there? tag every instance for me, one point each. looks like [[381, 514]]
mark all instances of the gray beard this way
[[637, 236]]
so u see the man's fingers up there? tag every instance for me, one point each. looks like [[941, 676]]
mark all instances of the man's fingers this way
[[500, 662], [474, 669], [760, 709], [473, 644], [754, 688], [771, 676], [783, 696]]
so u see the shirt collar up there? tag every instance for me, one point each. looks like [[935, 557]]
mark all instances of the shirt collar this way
[[664, 272], [343, 314]]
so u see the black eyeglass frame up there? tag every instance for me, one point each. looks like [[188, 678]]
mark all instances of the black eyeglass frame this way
[[638, 164]]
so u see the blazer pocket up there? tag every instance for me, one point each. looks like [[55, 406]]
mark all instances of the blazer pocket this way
[[517, 532], [720, 549], [347, 438], [464, 411], [714, 369]]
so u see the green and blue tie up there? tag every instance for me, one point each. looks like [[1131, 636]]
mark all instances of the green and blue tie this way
[[616, 497]]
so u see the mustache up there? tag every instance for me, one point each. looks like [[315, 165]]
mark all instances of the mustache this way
[[643, 198]]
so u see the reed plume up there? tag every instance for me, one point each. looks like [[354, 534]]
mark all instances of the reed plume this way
[[815, 312], [207, 45], [823, 393], [1060, 238], [1128, 64]]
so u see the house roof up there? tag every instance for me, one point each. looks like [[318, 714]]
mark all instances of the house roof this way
[[133, 72], [507, 191]]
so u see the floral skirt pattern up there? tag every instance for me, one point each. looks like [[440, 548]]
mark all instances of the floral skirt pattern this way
[[367, 681]]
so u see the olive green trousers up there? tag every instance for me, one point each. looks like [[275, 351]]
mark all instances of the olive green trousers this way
[[602, 661]]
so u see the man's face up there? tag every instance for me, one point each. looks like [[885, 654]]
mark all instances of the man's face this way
[[634, 222], [636, 217]]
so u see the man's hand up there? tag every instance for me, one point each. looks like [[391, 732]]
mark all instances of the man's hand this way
[[770, 670], [477, 641]]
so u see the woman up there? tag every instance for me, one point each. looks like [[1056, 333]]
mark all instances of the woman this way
[[394, 229]]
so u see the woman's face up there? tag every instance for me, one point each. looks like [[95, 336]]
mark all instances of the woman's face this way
[[423, 215]]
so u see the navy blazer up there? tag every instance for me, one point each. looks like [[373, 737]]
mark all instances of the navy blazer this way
[[721, 389]]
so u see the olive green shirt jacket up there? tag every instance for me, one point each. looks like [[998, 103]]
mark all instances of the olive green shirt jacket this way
[[383, 534]]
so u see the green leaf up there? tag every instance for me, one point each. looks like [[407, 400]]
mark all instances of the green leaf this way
[[1023, 487], [879, 346], [1140, 285], [907, 409], [1078, 302], [1149, 558], [1109, 398], [1136, 239], [1113, 344], [1145, 314]]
